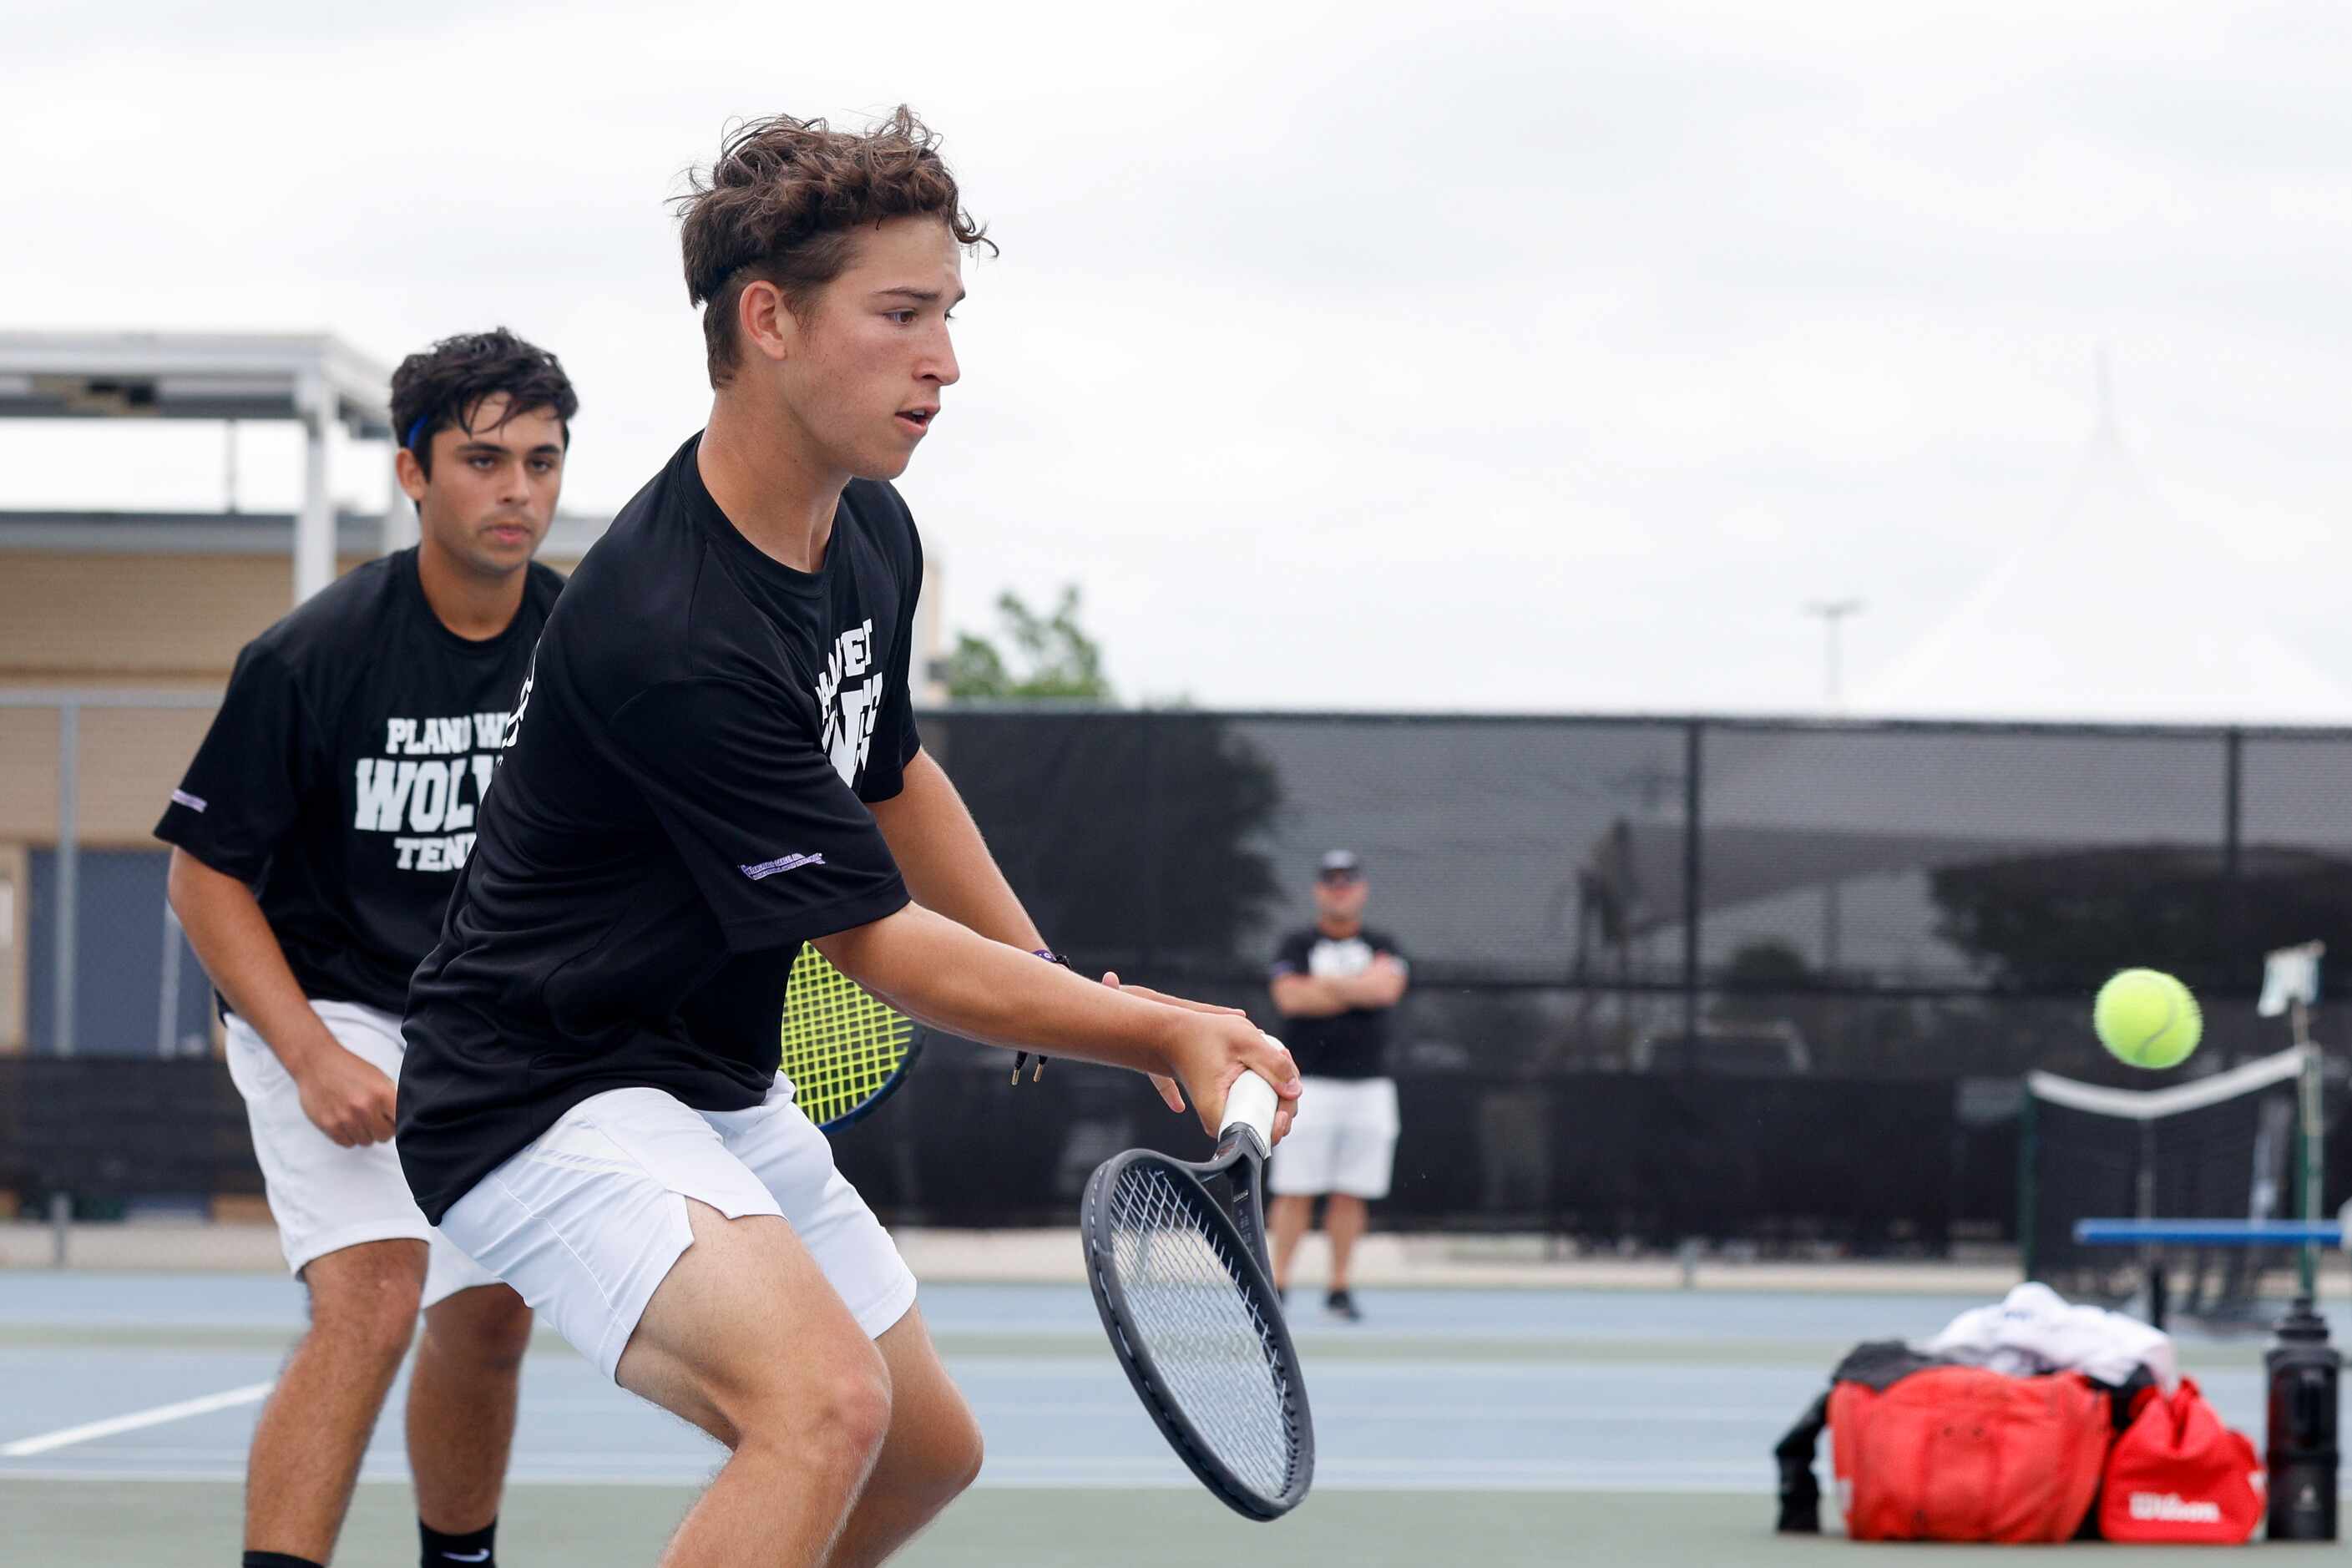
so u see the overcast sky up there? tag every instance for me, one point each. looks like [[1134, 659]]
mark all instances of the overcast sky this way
[[1377, 356]]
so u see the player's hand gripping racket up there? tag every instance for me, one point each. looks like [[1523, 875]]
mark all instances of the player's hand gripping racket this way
[[1176, 1256], [844, 1052]]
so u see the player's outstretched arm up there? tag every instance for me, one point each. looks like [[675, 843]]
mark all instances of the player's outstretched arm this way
[[347, 1098], [935, 969]]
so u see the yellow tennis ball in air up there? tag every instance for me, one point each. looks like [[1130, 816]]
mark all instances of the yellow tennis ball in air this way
[[2147, 1018]]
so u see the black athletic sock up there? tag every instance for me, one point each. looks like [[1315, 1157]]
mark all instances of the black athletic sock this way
[[278, 1559], [473, 1549]]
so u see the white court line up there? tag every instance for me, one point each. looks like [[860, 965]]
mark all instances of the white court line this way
[[24, 1447]]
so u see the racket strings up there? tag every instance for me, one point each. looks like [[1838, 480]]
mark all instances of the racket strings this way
[[1210, 1345], [840, 1045]]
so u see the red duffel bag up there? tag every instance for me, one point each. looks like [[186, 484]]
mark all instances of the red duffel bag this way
[[1924, 1450], [1958, 1453], [2176, 1474]]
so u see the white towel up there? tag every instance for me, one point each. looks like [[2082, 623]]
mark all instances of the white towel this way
[[2033, 1330]]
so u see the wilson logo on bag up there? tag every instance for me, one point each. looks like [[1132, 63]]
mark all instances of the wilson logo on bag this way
[[2173, 1507], [2176, 1474]]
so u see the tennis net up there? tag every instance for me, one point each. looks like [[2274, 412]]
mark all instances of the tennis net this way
[[2225, 1147]]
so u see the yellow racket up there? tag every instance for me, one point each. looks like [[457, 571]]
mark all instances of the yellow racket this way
[[844, 1052]]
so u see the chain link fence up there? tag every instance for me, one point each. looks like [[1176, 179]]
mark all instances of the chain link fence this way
[[1849, 906], [92, 960]]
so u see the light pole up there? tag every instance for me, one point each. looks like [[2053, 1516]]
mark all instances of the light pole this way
[[1831, 612]]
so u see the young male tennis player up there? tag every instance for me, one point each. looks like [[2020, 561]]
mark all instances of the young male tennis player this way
[[716, 759], [317, 835]]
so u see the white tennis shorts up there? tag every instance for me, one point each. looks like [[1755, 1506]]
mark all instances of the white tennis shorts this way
[[589, 1219], [323, 1196], [1343, 1140]]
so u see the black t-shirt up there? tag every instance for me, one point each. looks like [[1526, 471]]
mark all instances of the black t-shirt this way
[[1345, 1045], [341, 776], [680, 805]]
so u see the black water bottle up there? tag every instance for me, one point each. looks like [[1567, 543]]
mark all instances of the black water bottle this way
[[2302, 1369]]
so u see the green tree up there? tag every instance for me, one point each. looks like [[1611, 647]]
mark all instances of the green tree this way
[[1056, 657], [2060, 922]]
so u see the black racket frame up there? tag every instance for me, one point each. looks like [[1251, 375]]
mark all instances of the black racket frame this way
[[1242, 1219]]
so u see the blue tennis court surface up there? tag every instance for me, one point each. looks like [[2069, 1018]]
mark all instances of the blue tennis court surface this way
[[1453, 1426]]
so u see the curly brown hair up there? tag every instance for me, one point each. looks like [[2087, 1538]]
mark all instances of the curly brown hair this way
[[783, 204]]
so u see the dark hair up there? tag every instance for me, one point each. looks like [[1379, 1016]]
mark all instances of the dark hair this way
[[783, 201], [442, 386]]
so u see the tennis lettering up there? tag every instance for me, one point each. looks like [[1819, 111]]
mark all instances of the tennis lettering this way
[[434, 854], [430, 802]]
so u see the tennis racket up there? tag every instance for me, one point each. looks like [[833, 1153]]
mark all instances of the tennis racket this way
[[1176, 1256], [844, 1052]]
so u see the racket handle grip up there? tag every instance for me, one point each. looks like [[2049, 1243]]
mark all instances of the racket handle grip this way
[[1250, 1103]]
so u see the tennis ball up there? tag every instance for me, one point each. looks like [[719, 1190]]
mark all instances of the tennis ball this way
[[2147, 1018]]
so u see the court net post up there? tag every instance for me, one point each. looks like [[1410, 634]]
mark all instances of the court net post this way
[[2290, 988]]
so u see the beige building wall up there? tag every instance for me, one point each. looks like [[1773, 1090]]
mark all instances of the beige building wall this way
[[113, 619], [124, 619], [168, 622], [120, 619]]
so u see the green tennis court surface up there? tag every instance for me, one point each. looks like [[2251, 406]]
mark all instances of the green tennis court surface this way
[[1471, 1427]]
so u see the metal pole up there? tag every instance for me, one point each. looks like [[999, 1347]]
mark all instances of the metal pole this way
[[1833, 927], [2151, 1256], [2315, 1133], [2231, 901], [60, 1228], [69, 914], [2028, 1194], [1692, 892], [1159, 843], [167, 1005], [1832, 612], [399, 527], [314, 526]]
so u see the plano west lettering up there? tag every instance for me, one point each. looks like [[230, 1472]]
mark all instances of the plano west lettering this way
[[425, 788]]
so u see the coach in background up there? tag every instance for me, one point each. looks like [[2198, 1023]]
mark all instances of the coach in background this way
[[315, 840], [1334, 984]]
